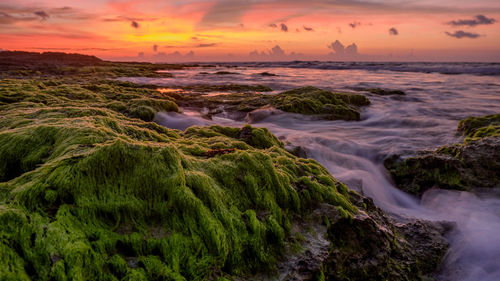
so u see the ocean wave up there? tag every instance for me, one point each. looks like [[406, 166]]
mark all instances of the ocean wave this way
[[489, 69]]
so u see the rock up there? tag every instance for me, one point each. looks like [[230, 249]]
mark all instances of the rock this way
[[326, 104], [367, 246], [267, 74], [371, 246], [225, 73], [471, 165], [385, 92], [296, 150]]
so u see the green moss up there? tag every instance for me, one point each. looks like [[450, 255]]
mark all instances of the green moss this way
[[88, 193], [480, 127], [385, 92], [311, 100]]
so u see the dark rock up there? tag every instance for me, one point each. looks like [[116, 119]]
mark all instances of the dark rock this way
[[471, 165], [225, 73], [368, 246], [385, 92], [267, 74], [371, 246], [468, 166], [297, 150]]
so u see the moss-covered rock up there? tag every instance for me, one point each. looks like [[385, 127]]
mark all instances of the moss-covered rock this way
[[88, 193], [311, 100], [480, 127], [89, 190], [306, 100], [470, 165]]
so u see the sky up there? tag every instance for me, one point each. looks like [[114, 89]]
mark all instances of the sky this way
[[256, 30]]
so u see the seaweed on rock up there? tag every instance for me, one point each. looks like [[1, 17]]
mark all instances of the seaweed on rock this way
[[470, 165], [89, 193], [305, 100]]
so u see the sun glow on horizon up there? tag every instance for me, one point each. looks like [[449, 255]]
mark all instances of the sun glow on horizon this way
[[219, 29]]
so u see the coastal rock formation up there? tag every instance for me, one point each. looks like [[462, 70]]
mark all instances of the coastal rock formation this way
[[371, 246], [470, 165], [86, 192], [314, 101], [90, 189], [305, 100], [367, 246]]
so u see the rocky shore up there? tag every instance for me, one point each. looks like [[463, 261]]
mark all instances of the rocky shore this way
[[92, 189], [471, 165]]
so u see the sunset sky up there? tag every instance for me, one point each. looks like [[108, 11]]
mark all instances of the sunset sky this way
[[212, 30]]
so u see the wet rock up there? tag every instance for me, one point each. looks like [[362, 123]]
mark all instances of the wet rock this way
[[368, 246], [296, 150], [267, 74], [471, 165], [260, 114], [315, 101], [385, 92], [380, 91], [372, 246], [225, 73]]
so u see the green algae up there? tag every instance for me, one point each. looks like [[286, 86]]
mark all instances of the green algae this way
[[130, 100], [89, 190], [305, 100], [311, 100], [480, 127], [468, 165]]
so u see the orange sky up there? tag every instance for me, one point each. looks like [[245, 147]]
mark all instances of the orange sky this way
[[200, 30]]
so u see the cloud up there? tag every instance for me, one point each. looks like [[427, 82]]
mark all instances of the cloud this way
[[273, 25], [341, 51], [200, 45], [277, 51], [42, 14], [155, 48], [275, 54], [229, 13], [205, 45], [6, 18], [284, 27], [478, 20], [224, 13], [130, 19], [11, 14], [337, 47], [463, 34], [355, 24], [306, 28], [393, 31], [351, 49], [134, 24]]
